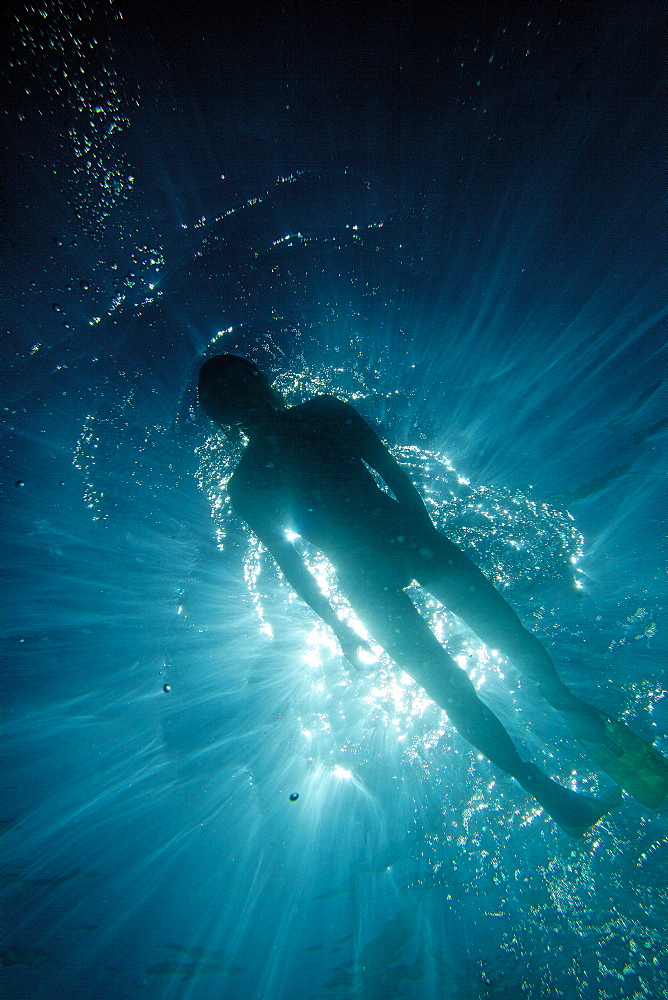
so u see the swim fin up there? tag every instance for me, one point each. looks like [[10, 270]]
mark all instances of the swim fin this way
[[637, 766]]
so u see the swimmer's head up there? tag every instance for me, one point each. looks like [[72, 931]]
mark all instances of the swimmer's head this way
[[234, 392]]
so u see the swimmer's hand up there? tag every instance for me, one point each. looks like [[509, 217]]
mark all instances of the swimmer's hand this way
[[351, 645]]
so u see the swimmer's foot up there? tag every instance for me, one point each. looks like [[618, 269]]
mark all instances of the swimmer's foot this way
[[573, 812], [636, 766]]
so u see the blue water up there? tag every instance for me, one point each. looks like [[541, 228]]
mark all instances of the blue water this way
[[457, 224]]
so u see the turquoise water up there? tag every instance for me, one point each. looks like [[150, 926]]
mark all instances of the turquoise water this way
[[458, 229]]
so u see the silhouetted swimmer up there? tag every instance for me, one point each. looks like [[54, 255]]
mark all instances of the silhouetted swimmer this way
[[305, 470]]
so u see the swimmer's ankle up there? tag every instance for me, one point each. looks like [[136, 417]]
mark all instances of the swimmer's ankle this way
[[572, 811], [585, 722]]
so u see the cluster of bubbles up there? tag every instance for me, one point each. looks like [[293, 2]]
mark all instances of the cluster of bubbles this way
[[62, 60]]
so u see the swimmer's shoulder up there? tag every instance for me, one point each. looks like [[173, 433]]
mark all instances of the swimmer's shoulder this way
[[336, 424], [253, 488], [322, 408], [249, 473]]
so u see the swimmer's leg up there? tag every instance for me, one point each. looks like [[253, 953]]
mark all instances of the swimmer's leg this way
[[458, 583], [397, 626], [453, 579]]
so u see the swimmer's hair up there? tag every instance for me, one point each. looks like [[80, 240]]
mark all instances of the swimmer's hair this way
[[226, 380]]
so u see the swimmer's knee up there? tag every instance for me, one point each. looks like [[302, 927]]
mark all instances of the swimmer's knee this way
[[455, 689]]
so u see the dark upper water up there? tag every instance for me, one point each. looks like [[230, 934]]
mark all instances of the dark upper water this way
[[452, 217]]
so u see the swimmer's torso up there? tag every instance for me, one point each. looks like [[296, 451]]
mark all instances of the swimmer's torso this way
[[308, 476]]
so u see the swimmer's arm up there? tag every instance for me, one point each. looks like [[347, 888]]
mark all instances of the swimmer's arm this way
[[303, 582], [298, 576], [374, 452]]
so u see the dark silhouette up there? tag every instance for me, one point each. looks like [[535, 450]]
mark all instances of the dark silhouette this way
[[305, 470]]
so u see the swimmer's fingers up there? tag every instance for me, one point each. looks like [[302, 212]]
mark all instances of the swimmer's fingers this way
[[351, 644], [353, 657]]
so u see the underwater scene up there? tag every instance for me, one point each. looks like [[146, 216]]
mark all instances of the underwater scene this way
[[450, 218]]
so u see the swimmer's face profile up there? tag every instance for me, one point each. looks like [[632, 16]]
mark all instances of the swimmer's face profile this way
[[234, 392]]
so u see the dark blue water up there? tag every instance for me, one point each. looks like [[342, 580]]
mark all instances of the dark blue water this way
[[456, 222]]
